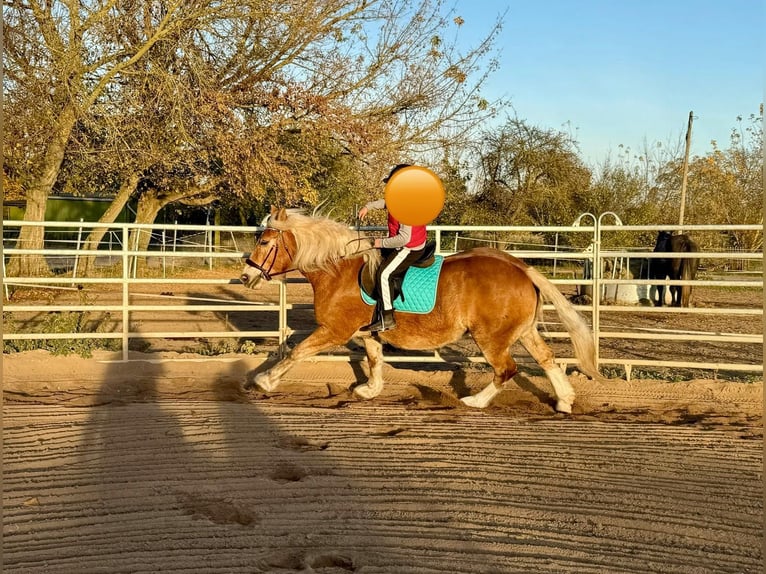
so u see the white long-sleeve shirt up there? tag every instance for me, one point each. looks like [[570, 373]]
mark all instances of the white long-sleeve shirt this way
[[404, 235]]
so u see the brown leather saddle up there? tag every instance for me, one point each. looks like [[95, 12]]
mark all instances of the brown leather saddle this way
[[367, 276]]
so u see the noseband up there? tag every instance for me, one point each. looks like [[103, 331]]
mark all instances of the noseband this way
[[272, 254]]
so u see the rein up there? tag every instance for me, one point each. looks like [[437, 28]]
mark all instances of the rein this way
[[358, 239], [346, 256]]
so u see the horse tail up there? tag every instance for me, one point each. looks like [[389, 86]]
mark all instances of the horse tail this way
[[688, 272], [581, 335], [686, 290]]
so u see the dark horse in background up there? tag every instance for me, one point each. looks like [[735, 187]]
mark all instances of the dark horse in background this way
[[674, 268]]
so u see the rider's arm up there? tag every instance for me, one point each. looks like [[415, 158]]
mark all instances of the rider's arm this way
[[400, 239], [377, 204]]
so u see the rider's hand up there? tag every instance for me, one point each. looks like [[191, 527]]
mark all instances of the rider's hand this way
[[378, 243], [363, 213]]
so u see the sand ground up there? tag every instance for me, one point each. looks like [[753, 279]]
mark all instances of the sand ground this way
[[163, 465]]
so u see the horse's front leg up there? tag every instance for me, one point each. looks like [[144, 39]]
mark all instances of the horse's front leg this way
[[320, 340], [374, 384]]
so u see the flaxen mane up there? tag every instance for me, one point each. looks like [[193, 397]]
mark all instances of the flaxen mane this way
[[322, 242]]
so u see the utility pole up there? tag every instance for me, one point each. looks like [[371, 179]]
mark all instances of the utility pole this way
[[685, 168]]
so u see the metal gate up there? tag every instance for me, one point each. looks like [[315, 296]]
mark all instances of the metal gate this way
[[581, 257]]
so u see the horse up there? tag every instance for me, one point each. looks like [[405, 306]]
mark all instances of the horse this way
[[674, 268], [494, 296]]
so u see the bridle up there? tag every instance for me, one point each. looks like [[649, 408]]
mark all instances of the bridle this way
[[272, 254]]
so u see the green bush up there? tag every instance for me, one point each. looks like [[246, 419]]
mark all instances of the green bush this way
[[59, 322]]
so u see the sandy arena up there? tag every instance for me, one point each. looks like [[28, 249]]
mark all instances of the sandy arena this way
[[171, 467]]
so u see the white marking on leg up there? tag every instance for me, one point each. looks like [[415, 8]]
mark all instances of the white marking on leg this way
[[565, 394], [318, 341], [269, 380], [263, 381], [367, 391], [483, 397]]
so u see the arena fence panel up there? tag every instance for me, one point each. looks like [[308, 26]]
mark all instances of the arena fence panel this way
[[584, 260]]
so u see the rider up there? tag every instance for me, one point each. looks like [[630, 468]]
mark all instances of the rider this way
[[400, 250]]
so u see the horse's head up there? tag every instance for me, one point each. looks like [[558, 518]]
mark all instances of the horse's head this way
[[272, 255]]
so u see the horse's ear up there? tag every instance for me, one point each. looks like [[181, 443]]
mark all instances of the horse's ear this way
[[281, 215], [273, 210]]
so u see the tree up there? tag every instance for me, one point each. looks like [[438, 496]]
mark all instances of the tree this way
[[376, 77], [729, 183], [60, 59], [723, 186], [528, 175], [455, 176]]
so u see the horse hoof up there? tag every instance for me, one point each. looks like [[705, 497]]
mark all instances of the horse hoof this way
[[563, 407], [471, 401], [264, 382], [366, 391]]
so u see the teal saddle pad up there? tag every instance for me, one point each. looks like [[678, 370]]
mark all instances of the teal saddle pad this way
[[419, 288]]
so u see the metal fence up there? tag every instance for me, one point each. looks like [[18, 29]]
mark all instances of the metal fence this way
[[586, 259]]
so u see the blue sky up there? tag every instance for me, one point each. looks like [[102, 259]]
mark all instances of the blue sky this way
[[626, 72]]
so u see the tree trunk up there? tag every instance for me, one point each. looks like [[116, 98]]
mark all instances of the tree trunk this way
[[149, 205], [216, 229], [113, 211], [33, 237]]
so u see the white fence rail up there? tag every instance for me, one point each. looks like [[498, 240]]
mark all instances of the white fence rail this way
[[568, 259]]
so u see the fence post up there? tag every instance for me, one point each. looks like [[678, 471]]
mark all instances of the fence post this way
[[164, 259], [175, 238], [125, 293], [208, 241], [77, 255], [5, 283], [135, 257], [282, 319], [596, 299]]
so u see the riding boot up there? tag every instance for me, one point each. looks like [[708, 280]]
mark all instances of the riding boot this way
[[384, 322]]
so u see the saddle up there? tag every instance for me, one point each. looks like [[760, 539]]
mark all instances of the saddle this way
[[415, 290]]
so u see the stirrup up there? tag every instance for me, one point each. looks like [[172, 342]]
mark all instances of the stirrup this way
[[383, 322]]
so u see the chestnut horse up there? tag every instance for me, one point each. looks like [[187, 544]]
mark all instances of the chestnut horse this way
[[494, 296]]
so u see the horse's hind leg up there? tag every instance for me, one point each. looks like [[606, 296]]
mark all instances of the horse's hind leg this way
[[675, 296], [543, 354], [497, 351]]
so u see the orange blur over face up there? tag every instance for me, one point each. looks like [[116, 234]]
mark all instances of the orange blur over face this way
[[414, 195]]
